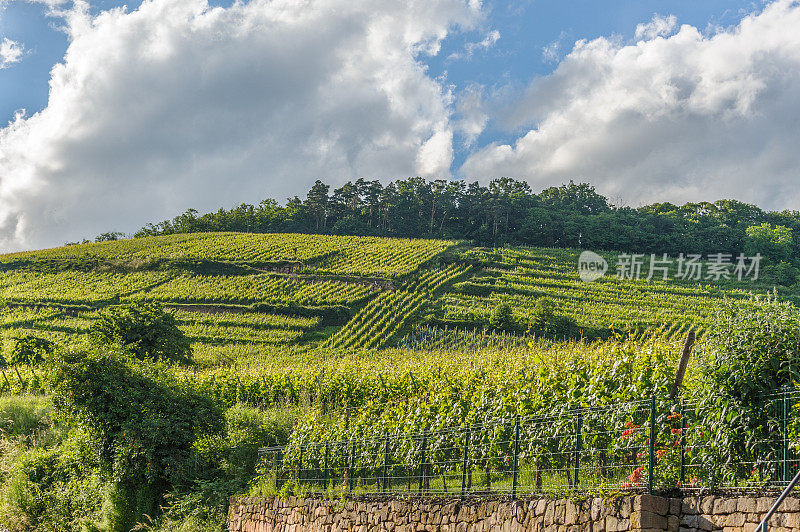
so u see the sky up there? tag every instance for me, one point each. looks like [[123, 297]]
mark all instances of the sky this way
[[114, 115]]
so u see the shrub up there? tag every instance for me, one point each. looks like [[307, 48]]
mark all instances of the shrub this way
[[546, 321], [142, 421], [502, 318], [30, 350], [145, 329]]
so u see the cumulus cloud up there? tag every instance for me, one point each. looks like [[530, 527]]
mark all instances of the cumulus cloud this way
[[176, 105], [681, 118], [658, 27], [10, 52], [471, 115]]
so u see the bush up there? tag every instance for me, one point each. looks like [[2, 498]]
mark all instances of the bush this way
[[51, 488], [30, 350], [546, 321], [755, 350], [143, 423], [144, 329], [503, 318], [230, 459]]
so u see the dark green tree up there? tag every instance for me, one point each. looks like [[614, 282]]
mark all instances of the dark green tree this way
[[145, 329]]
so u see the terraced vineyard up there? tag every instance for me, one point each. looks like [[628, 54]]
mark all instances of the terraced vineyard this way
[[334, 255], [519, 277], [240, 296], [244, 295]]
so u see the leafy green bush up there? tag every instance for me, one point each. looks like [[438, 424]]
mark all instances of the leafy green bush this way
[[141, 420], [755, 351], [230, 458], [546, 321], [502, 318], [145, 329], [51, 488], [30, 350]]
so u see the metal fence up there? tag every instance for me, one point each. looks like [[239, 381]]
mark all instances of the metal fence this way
[[650, 445]]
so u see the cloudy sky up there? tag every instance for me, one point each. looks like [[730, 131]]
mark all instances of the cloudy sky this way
[[113, 115]]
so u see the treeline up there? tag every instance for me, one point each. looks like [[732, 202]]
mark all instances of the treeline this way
[[507, 212]]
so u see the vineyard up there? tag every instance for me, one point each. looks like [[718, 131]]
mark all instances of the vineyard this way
[[239, 297], [520, 277], [422, 367]]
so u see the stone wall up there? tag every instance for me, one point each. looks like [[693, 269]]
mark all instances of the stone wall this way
[[644, 513]]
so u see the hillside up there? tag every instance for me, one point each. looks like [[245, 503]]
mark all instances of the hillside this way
[[311, 341], [240, 295]]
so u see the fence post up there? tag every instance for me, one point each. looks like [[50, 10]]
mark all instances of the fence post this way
[[682, 474], [300, 467], [385, 462], [326, 474], [464, 465], [785, 437], [351, 466], [278, 460], [578, 445], [651, 458], [515, 479], [422, 464]]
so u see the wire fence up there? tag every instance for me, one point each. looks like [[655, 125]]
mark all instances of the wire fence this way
[[649, 445]]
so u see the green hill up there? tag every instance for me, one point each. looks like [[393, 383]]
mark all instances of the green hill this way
[[240, 295], [301, 339]]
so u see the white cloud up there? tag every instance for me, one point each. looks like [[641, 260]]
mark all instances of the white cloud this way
[[658, 27], [551, 53], [471, 115], [489, 39], [10, 52], [682, 118], [177, 105]]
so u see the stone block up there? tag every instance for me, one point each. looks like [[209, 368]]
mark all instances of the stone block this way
[[651, 504], [763, 504], [570, 513], [648, 520], [746, 505], [790, 504], [614, 524], [597, 509], [724, 506], [707, 504], [704, 523], [561, 509]]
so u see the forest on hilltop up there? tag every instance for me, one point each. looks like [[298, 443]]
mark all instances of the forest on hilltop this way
[[506, 212]]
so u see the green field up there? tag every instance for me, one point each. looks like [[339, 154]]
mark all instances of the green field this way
[[241, 296], [342, 338]]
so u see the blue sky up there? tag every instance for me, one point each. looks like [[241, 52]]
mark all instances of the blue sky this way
[[133, 116]]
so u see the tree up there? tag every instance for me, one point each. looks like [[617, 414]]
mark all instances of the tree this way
[[773, 242], [144, 329], [502, 317], [317, 203], [143, 424], [109, 237], [31, 350]]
